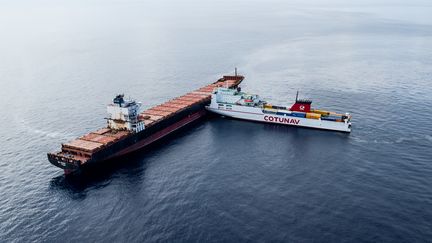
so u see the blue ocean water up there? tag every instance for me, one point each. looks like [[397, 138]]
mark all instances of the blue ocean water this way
[[222, 180]]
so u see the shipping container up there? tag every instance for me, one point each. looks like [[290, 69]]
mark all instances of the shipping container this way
[[298, 114], [313, 115], [177, 102], [93, 137], [118, 134], [278, 107], [269, 110], [334, 117], [186, 99], [148, 116], [328, 118], [283, 112], [322, 112], [79, 144], [155, 113], [173, 105], [202, 93], [165, 108], [148, 123], [102, 131], [335, 114]]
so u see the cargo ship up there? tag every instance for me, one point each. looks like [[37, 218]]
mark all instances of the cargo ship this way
[[129, 130], [232, 102]]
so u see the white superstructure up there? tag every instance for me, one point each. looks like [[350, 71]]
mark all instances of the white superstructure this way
[[123, 115], [237, 104]]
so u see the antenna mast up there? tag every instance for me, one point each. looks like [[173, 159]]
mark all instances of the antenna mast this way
[[297, 96]]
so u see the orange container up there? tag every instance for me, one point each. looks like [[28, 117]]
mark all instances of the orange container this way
[[311, 115]]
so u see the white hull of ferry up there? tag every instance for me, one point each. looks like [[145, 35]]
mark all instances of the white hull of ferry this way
[[257, 114]]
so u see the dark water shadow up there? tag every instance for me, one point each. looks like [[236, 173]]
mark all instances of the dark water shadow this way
[[101, 174]]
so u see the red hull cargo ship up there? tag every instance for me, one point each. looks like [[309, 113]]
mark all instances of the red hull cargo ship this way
[[128, 130]]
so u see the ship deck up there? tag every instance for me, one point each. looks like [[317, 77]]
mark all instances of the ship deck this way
[[81, 149]]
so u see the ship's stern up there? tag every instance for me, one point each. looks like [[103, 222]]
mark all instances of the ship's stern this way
[[68, 163]]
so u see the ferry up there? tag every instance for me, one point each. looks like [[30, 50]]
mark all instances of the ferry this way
[[232, 102]]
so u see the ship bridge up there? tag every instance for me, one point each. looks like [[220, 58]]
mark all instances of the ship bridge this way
[[123, 115]]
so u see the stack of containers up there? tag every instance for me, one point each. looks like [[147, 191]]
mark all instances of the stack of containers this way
[[270, 110], [298, 114], [283, 112], [321, 112], [333, 117], [313, 115]]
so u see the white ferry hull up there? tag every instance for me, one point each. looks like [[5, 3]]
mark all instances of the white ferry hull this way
[[256, 114]]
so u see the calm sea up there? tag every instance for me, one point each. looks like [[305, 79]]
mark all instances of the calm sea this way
[[222, 180]]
